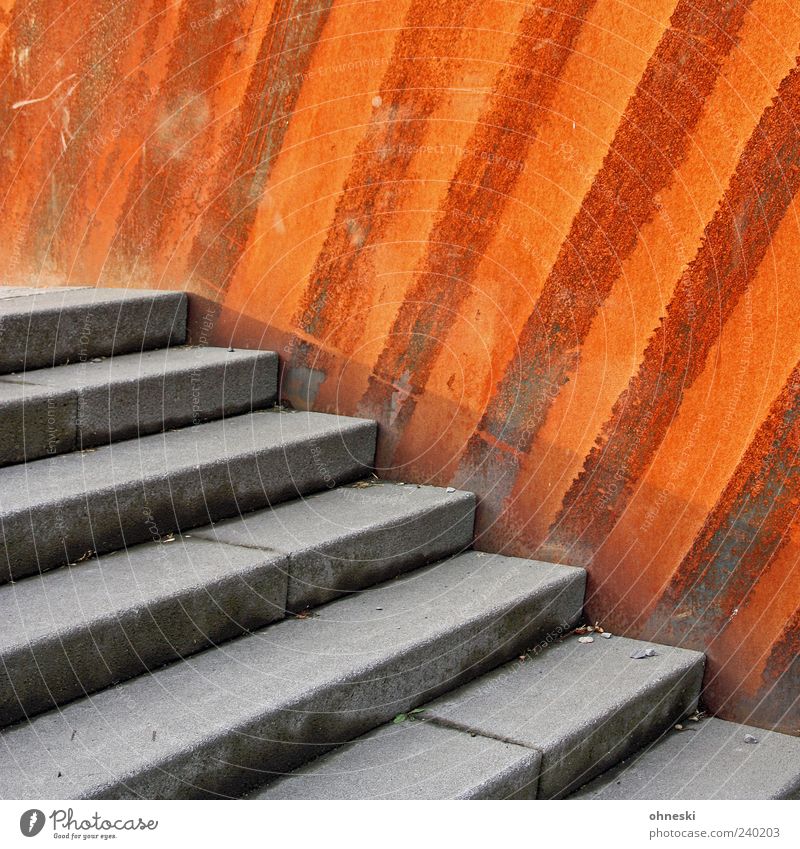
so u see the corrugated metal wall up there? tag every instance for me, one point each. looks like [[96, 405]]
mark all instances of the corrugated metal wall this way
[[552, 246]]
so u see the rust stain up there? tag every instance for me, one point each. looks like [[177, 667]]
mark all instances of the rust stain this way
[[421, 72], [274, 86], [486, 175], [735, 242], [652, 139]]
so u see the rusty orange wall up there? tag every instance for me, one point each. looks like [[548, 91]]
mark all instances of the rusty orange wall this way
[[553, 247]]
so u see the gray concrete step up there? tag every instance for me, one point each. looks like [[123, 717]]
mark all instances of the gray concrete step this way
[[85, 627], [55, 410], [415, 760], [51, 327], [405, 526], [55, 510], [709, 759], [219, 722], [584, 706], [580, 707]]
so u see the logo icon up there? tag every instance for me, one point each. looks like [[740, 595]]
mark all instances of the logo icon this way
[[31, 822]]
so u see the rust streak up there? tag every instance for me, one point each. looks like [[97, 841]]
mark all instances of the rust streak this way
[[652, 140], [747, 527], [284, 56], [417, 80], [489, 169], [735, 241]]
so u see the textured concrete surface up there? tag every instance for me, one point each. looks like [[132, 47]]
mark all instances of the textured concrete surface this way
[[415, 760], [49, 411], [354, 536], [56, 326], [79, 629], [709, 759], [35, 421], [56, 509], [584, 706], [220, 722]]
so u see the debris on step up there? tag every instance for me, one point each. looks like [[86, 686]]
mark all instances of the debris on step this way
[[639, 654], [585, 639], [748, 738]]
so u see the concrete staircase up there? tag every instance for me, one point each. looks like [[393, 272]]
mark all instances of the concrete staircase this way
[[207, 595]]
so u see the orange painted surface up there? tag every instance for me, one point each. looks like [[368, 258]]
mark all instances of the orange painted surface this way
[[552, 247]]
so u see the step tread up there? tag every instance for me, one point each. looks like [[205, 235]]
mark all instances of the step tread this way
[[155, 456], [415, 760], [584, 706], [298, 684], [709, 759], [79, 629], [124, 368], [42, 605]]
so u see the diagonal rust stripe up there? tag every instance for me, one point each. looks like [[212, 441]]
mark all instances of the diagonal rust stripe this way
[[747, 527], [284, 56], [766, 180], [651, 142], [486, 175], [417, 80], [780, 708]]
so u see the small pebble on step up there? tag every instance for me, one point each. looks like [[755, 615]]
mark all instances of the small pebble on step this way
[[642, 653]]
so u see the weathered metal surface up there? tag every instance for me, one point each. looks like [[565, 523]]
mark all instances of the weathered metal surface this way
[[552, 247]]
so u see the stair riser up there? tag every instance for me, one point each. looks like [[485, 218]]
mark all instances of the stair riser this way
[[52, 421], [40, 337], [138, 511], [39, 425], [320, 576], [347, 563], [230, 764]]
